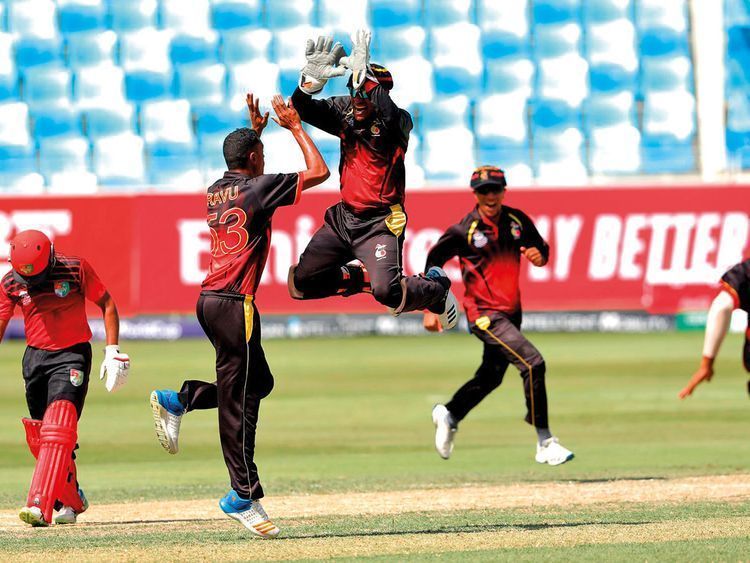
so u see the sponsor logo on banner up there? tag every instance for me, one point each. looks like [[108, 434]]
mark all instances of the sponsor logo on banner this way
[[62, 288], [76, 377]]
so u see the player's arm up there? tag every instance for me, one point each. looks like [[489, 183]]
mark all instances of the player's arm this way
[[393, 116], [327, 115], [3, 326], [534, 248], [111, 319], [317, 171], [6, 312], [447, 246], [717, 324]]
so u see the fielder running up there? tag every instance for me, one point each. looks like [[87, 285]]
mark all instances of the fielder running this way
[[489, 242], [734, 294], [368, 223], [240, 208], [51, 289]]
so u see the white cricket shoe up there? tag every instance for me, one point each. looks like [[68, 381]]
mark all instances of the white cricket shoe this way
[[445, 430], [449, 315], [66, 515], [166, 423], [552, 452], [250, 514], [33, 515]]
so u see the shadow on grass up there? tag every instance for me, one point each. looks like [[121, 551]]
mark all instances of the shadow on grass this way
[[613, 479]]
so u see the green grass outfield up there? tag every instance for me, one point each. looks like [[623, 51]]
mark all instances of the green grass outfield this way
[[354, 415]]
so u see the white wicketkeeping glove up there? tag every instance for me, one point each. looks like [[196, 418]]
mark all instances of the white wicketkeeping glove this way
[[116, 367], [322, 63], [359, 60]]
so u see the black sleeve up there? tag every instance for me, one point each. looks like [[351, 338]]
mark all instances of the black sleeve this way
[[736, 281], [530, 237], [276, 190], [447, 246], [397, 120], [327, 115]]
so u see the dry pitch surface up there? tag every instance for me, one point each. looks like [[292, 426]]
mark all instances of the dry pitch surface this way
[[118, 521]]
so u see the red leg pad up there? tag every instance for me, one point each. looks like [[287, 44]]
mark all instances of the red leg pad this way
[[32, 428], [57, 439]]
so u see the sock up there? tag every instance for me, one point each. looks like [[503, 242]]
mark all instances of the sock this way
[[173, 403], [543, 434]]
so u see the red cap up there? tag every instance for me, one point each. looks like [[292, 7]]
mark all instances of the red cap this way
[[30, 253]]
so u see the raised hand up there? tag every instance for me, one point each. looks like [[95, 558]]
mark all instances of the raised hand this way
[[359, 59], [258, 121], [288, 118], [323, 59]]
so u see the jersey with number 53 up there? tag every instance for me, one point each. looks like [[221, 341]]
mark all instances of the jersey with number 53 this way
[[239, 215]]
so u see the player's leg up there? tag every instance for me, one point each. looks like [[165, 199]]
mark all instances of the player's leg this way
[[323, 269], [243, 379], [446, 417], [506, 334]]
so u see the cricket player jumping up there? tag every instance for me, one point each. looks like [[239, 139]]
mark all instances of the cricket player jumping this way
[[368, 223], [240, 208], [51, 289]]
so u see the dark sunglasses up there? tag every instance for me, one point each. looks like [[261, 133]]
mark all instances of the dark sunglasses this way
[[489, 188], [358, 93]]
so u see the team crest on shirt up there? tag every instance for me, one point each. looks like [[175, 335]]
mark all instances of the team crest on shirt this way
[[375, 130], [515, 230], [62, 289], [479, 239], [76, 377], [380, 251]]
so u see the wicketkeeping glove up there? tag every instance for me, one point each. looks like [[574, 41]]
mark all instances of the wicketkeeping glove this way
[[322, 63], [116, 367], [359, 60]]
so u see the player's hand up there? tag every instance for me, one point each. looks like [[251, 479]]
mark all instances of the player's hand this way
[[704, 373], [533, 255], [323, 59], [115, 367], [258, 121], [288, 118], [431, 322], [359, 60]]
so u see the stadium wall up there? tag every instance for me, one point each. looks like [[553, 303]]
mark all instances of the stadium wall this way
[[653, 249]]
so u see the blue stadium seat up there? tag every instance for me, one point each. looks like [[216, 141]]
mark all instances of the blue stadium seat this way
[[396, 43], [75, 16], [391, 13], [166, 127], [55, 121], [507, 75], [443, 113], [63, 155], [8, 71], [174, 172], [243, 46], [192, 48], [608, 111], [662, 42], [132, 14], [118, 161], [456, 56], [737, 12], [33, 51], [662, 74], [105, 121], [601, 11], [289, 14], [446, 12], [556, 11], [503, 152], [201, 84], [661, 154], [738, 40], [45, 85], [610, 78], [232, 14], [335, 15], [554, 40], [90, 48], [145, 85], [553, 117], [218, 120], [738, 129], [37, 19], [194, 21], [498, 44]]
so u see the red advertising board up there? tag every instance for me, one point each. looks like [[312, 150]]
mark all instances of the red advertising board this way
[[629, 248]]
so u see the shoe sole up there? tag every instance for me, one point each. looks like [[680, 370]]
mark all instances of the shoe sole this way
[[571, 456], [253, 530], [63, 522], [30, 518], [159, 427]]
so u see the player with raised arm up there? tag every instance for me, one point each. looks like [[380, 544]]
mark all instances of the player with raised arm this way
[[51, 289], [734, 294], [240, 208], [489, 243], [368, 223]]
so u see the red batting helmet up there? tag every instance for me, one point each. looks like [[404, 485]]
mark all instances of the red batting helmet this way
[[30, 253]]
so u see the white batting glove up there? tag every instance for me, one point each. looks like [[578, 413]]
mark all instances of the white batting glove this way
[[116, 367], [359, 60], [322, 63]]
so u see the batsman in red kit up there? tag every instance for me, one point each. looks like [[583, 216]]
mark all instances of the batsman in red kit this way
[[51, 289], [734, 293], [368, 223], [240, 207], [489, 243]]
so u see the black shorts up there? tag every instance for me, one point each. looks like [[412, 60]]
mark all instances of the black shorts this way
[[56, 375]]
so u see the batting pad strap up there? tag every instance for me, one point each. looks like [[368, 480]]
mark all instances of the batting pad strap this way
[[57, 438], [32, 428]]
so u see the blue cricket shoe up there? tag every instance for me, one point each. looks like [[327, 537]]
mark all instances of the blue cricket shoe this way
[[250, 514]]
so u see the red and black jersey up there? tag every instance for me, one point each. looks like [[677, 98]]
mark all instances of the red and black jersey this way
[[239, 215], [489, 254], [371, 168], [54, 312], [736, 282]]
